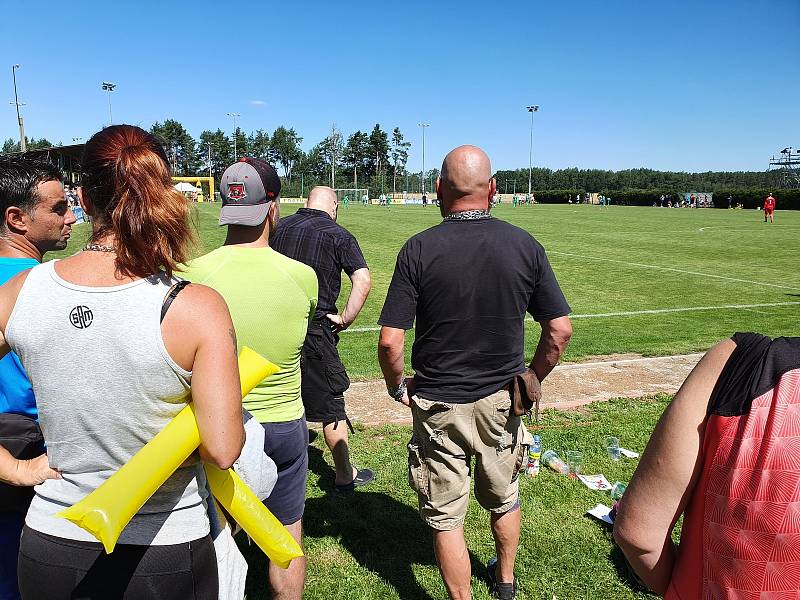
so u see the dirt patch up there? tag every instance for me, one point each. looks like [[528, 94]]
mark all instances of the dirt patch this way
[[569, 385]]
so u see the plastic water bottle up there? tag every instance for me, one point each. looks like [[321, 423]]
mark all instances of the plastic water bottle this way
[[534, 456], [552, 460]]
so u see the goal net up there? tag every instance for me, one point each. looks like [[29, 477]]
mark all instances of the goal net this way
[[354, 195]]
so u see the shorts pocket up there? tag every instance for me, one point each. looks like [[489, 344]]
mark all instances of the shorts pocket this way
[[418, 475], [338, 381], [431, 407], [522, 454], [502, 402], [525, 441]]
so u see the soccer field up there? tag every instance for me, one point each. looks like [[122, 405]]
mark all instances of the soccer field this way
[[653, 281]]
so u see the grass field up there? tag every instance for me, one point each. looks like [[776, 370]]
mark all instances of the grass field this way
[[371, 544], [713, 272], [645, 280]]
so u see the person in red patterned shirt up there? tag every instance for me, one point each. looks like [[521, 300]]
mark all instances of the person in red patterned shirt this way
[[769, 208], [726, 455]]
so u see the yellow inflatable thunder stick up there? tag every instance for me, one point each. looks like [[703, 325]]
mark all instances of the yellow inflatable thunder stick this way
[[248, 511], [105, 512]]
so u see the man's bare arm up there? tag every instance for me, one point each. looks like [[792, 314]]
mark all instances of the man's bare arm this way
[[555, 336], [8, 298], [390, 356], [362, 284]]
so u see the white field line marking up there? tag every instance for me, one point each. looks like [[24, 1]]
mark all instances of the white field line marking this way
[[674, 270], [658, 311], [632, 313]]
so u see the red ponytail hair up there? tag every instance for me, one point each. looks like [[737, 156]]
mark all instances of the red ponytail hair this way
[[126, 177]]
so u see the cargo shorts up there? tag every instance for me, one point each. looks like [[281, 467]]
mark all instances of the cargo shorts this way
[[446, 438]]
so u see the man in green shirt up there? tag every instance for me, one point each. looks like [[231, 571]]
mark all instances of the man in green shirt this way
[[272, 299]]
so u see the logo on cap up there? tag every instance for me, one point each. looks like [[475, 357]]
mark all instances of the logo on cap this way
[[236, 191]]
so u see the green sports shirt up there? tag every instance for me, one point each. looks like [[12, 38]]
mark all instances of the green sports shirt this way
[[272, 299]]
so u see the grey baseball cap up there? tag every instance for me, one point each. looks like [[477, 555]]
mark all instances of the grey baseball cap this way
[[248, 187]]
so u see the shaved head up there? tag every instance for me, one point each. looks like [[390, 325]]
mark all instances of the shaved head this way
[[466, 180], [323, 198]]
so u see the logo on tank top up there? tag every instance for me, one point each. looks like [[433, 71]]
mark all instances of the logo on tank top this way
[[81, 317]]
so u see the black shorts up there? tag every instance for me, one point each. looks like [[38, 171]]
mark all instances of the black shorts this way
[[324, 379], [287, 445], [57, 568]]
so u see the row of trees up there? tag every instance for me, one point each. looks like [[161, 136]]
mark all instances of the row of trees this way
[[12, 145], [378, 159], [598, 180], [373, 160]]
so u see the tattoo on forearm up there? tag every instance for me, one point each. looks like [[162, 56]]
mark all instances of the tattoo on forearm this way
[[232, 333]]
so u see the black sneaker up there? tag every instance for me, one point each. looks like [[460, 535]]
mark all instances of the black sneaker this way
[[501, 591], [363, 477]]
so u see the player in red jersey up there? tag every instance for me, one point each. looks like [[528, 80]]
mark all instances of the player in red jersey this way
[[769, 208]]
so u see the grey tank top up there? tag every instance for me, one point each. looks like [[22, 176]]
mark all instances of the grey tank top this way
[[105, 386]]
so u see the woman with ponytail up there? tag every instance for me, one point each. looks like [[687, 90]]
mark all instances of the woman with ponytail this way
[[113, 353]]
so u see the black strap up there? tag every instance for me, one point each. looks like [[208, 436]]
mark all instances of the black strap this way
[[173, 292]]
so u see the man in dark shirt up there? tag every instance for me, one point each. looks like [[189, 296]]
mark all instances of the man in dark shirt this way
[[469, 282], [313, 237]]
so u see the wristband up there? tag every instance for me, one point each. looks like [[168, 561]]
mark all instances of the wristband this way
[[397, 392]]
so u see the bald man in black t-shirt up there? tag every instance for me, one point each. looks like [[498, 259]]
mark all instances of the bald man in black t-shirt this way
[[469, 282]]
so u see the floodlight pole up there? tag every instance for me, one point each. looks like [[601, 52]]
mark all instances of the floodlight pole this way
[[23, 145], [209, 162], [424, 127], [531, 109], [109, 87], [235, 151]]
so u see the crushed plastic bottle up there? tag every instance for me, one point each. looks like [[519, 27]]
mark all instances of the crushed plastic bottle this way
[[552, 460]]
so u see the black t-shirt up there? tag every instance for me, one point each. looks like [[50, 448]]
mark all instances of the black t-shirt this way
[[312, 237], [469, 284]]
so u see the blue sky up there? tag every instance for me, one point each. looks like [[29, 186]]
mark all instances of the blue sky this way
[[678, 85]]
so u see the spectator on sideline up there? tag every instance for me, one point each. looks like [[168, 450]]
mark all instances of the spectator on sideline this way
[[106, 305], [272, 299], [457, 280], [313, 237], [724, 454], [35, 219], [769, 208]]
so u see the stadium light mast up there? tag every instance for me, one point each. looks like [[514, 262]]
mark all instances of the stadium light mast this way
[[235, 152], [424, 127], [109, 87], [22, 143], [531, 109]]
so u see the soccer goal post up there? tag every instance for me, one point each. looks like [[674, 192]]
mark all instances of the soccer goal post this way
[[354, 195]]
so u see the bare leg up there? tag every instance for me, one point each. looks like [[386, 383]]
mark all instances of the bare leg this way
[[505, 529], [453, 558], [287, 584], [336, 439]]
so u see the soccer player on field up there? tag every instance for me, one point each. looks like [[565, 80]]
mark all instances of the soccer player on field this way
[[769, 208]]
